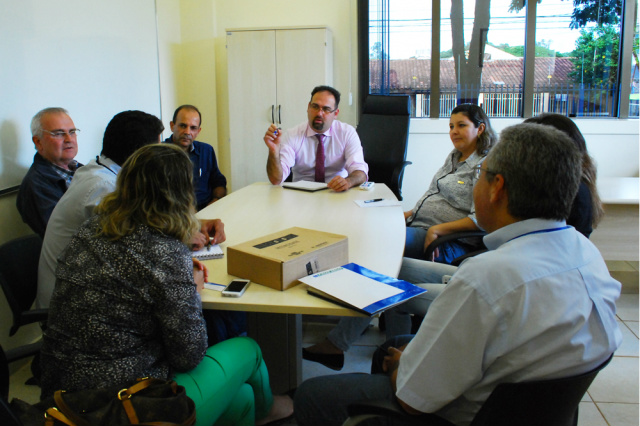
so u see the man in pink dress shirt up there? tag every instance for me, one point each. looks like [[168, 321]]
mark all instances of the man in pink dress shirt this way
[[296, 149]]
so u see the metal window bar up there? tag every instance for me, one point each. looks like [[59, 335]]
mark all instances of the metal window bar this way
[[507, 101]]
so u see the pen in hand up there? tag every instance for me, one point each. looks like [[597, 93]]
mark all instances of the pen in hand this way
[[375, 200]]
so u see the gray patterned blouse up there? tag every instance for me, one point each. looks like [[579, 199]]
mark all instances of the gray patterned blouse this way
[[121, 310]]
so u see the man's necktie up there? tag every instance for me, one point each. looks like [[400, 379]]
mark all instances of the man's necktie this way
[[320, 158]]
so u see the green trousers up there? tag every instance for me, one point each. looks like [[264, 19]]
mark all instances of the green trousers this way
[[231, 384]]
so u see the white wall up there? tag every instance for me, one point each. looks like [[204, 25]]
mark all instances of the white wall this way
[[169, 57], [95, 59]]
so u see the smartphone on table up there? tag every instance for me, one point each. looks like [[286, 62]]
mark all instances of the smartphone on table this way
[[236, 288]]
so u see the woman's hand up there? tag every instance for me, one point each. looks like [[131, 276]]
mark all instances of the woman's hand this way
[[446, 228], [432, 235], [211, 232], [200, 274], [407, 215]]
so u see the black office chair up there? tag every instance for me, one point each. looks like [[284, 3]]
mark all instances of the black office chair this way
[[384, 133], [7, 416], [474, 236], [19, 279], [546, 402]]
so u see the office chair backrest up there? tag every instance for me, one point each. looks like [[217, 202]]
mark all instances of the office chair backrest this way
[[4, 375], [19, 278], [7, 417], [384, 133], [551, 402]]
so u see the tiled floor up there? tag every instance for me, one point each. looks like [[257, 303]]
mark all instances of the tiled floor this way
[[612, 400]]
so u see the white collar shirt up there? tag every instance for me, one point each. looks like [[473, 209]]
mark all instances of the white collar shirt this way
[[90, 183], [539, 305], [342, 148]]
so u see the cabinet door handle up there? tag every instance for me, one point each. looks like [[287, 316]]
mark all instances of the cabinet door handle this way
[[273, 118], [279, 116]]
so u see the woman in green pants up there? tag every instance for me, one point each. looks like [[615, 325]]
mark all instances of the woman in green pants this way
[[245, 394], [127, 304]]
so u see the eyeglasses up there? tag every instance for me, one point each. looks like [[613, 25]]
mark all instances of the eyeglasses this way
[[477, 170], [325, 109], [60, 133]]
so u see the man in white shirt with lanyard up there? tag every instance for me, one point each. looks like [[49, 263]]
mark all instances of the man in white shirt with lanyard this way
[[540, 304], [321, 150]]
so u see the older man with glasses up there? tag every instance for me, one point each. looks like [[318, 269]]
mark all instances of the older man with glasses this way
[[322, 149], [539, 304], [55, 139]]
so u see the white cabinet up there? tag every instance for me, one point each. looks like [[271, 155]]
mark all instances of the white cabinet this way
[[271, 75]]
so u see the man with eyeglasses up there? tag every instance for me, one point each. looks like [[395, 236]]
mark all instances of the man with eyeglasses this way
[[55, 139], [322, 149], [540, 304], [126, 132]]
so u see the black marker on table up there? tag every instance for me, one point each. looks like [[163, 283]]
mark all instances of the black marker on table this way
[[375, 200]]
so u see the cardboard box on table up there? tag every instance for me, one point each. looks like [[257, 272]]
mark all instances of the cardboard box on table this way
[[278, 260]]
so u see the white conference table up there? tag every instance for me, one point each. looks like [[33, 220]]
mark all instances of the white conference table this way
[[376, 241]]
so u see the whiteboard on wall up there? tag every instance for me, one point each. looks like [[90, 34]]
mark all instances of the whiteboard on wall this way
[[93, 58]]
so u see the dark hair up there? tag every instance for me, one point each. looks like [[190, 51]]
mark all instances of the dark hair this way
[[329, 89], [128, 131], [477, 116], [541, 167], [189, 107], [589, 171]]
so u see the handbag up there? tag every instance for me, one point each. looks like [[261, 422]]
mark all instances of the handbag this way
[[147, 401]]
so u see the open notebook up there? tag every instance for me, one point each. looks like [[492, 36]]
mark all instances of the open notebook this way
[[214, 251]]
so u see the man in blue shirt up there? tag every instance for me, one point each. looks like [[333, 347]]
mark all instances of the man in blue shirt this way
[[209, 183]]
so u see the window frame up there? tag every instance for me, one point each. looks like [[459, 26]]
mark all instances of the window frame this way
[[621, 107]]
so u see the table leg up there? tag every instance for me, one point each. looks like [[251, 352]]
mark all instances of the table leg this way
[[280, 338]]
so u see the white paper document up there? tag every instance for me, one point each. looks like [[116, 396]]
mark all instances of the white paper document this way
[[351, 287], [374, 203]]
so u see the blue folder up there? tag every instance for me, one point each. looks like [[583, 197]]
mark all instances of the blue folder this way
[[408, 291]]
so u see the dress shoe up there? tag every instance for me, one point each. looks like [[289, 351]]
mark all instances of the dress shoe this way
[[332, 361]]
